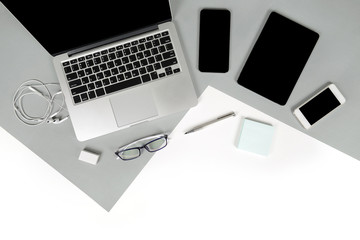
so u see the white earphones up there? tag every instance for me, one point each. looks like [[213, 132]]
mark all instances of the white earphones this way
[[36, 87], [56, 120]]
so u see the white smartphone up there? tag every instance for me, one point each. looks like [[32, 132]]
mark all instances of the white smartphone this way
[[320, 105]]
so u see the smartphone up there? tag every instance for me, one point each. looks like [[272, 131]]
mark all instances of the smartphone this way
[[318, 106], [214, 40]]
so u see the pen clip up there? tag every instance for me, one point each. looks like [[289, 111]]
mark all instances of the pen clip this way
[[226, 115]]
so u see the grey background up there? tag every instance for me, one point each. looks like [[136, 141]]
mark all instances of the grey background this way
[[336, 58]]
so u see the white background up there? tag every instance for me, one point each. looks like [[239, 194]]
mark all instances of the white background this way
[[199, 187]]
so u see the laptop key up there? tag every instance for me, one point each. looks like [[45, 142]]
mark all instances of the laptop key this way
[[85, 80], [112, 56], [146, 78], [92, 78], [135, 73], [71, 76], [78, 90], [100, 92], [91, 86], [162, 49], [77, 99], [106, 82], [137, 64], [81, 73], [132, 58], [128, 75], [134, 49], [169, 62], [142, 70], [165, 40], [169, 46], [168, 71], [157, 66], [66, 64], [156, 43], [122, 69], [92, 95], [75, 83], [113, 80], [67, 70], [82, 65], [75, 67], [98, 84], [110, 64], [154, 75], [122, 85], [127, 52], [119, 54], [141, 47], [168, 55], [84, 97], [151, 60], [97, 60]]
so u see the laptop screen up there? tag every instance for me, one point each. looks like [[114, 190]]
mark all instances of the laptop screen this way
[[65, 25]]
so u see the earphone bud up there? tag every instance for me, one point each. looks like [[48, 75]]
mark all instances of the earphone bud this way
[[56, 120]]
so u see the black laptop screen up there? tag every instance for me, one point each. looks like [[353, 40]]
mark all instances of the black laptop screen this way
[[65, 25]]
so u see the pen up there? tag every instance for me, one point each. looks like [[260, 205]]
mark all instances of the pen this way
[[232, 114]]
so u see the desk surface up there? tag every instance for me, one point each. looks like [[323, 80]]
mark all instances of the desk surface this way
[[334, 59], [198, 187]]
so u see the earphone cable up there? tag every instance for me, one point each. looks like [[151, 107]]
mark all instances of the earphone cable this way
[[37, 87]]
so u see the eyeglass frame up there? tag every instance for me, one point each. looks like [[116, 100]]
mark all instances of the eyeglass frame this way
[[154, 137]]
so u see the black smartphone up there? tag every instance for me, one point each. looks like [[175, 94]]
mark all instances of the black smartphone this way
[[214, 42]]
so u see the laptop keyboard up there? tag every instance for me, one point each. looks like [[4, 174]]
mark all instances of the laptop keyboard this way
[[111, 70]]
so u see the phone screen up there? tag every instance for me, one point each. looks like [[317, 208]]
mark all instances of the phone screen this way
[[319, 106], [214, 40]]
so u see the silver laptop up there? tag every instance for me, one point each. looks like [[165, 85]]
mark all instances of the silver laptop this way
[[119, 63]]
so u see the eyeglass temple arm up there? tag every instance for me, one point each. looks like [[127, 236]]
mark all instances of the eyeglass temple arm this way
[[141, 139]]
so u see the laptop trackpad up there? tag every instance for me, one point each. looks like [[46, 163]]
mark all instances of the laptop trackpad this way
[[133, 106]]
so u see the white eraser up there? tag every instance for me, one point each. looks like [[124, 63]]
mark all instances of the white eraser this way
[[89, 157]]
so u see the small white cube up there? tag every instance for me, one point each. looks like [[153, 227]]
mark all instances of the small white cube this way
[[89, 157]]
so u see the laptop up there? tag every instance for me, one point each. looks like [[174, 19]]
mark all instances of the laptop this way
[[119, 63]]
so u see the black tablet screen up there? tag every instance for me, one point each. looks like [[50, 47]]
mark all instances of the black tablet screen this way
[[278, 58]]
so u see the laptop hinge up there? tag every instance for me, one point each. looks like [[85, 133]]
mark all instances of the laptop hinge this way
[[114, 39]]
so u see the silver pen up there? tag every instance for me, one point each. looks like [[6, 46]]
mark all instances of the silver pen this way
[[197, 128]]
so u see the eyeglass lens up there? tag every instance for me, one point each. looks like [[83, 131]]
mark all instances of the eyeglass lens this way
[[156, 144], [129, 154], [152, 146]]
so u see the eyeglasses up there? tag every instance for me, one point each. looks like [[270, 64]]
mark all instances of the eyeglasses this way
[[153, 144]]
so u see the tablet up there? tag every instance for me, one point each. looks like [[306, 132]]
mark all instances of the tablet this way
[[278, 58]]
